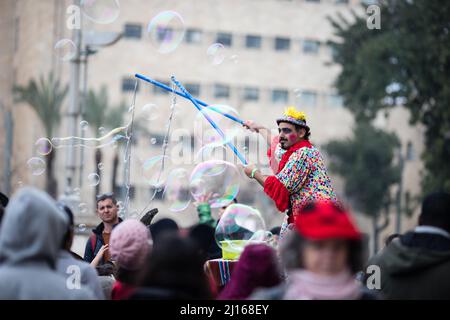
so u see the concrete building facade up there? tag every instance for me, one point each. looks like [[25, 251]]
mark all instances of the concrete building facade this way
[[274, 53]]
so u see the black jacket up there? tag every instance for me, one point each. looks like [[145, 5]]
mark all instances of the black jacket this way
[[92, 247], [415, 266]]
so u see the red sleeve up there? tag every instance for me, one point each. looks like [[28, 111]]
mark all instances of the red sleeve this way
[[278, 192]]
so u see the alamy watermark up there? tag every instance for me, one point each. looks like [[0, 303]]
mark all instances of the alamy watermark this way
[[374, 17], [73, 281]]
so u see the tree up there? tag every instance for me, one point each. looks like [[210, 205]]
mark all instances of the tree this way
[[46, 97], [365, 161], [94, 113], [114, 119], [406, 62]]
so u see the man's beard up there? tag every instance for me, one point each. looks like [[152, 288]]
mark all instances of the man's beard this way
[[282, 144]]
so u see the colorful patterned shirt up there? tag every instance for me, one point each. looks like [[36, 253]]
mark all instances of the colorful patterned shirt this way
[[303, 179]]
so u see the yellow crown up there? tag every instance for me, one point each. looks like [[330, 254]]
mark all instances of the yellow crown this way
[[293, 113]]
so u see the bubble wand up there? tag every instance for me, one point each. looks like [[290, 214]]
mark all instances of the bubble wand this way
[[211, 122], [184, 95]]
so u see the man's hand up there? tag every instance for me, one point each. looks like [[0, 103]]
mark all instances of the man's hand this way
[[203, 199], [252, 126], [248, 169]]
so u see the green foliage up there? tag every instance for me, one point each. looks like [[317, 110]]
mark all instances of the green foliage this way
[[406, 62], [365, 162], [46, 97], [96, 107]]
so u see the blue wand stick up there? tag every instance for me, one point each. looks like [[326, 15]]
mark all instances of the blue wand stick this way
[[181, 94], [211, 122]]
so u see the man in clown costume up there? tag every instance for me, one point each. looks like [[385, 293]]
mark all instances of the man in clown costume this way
[[300, 173]]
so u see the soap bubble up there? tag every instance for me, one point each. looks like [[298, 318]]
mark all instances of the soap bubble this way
[[177, 192], [153, 140], [76, 191], [82, 207], [101, 166], [155, 170], [239, 225], [101, 131], [166, 31], [101, 11], [84, 125], [36, 165], [43, 146], [216, 179], [65, 50], [82, 227], [216, 53], [211, 152], [93, 179]]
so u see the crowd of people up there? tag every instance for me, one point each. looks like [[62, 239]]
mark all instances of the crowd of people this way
[[320, 252], [322, 256]]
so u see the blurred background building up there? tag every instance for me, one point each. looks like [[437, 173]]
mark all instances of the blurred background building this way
[[274, 54]]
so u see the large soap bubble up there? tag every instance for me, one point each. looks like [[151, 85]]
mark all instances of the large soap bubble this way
[[176, 192], [239, 225], [217, 180]]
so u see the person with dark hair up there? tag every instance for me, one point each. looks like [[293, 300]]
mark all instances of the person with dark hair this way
[[129, 246], [204, 235], [96, 250], [174, 271], [204, 210], [300, 175], [3, 203], [31, 235], [161, 227], [415, 265], [257, 268], [68, 259], [322, 256]]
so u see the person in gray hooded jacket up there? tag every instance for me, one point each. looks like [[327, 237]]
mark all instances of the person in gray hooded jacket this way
[[68, 264], [31, 235]]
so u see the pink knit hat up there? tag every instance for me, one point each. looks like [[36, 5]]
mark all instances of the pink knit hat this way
[[129, 244]]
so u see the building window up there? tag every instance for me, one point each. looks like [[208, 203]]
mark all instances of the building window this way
[[253, 42], [193, 89], [311, 46], [342, 1], [128, 84], [333, 51], [160, 91], [164, 34], [221, 91], [193, 36], [16, 34], [282, 44], [133, 31], [335, 101], [316, 1], [251, 94], [308, 99], [225, 38], [410, 154], [280, 96]]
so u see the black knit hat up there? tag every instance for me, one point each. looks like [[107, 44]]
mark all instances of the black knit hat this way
[[436, 210], [3, 200]]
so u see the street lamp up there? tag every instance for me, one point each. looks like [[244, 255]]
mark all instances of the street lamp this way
[[93, 41]]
